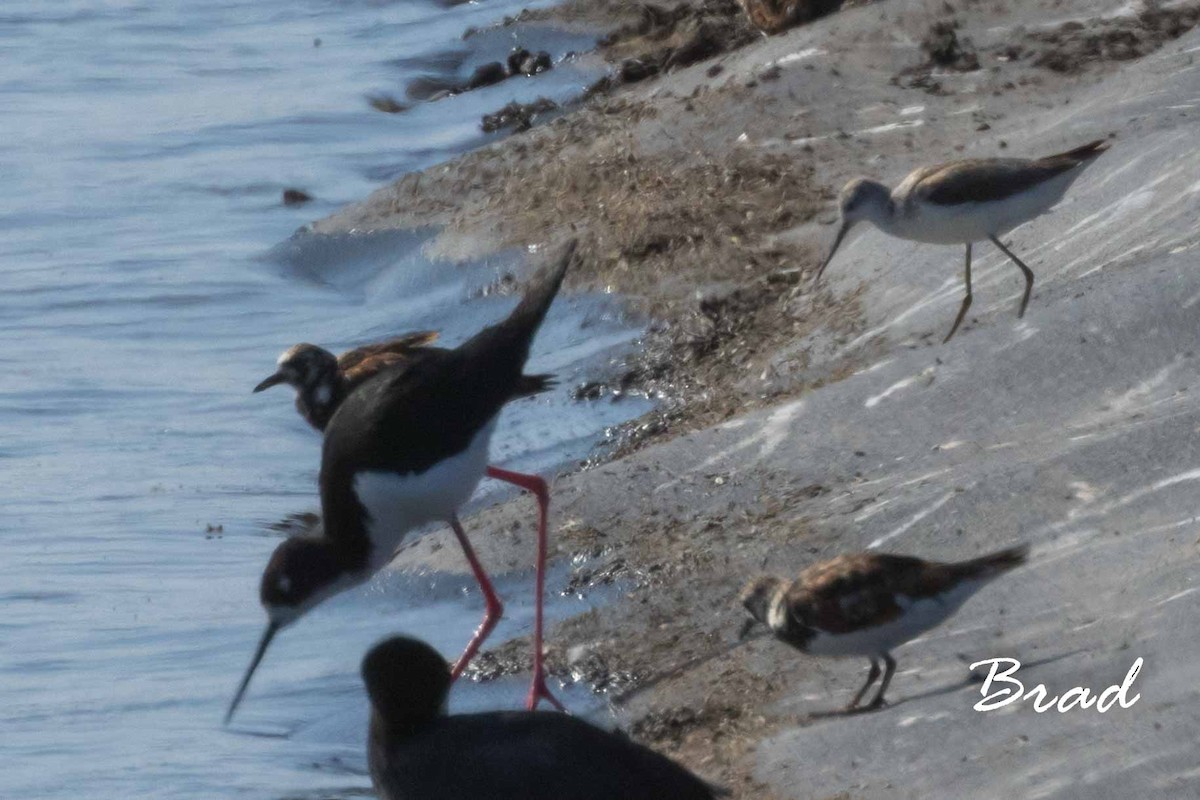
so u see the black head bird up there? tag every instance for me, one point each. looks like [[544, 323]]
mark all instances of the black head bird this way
[[322, 380], [414, 751], [406, 448]]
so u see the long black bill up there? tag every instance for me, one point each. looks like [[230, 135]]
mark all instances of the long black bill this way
[[841, 235], [268, 635], [274, 380]]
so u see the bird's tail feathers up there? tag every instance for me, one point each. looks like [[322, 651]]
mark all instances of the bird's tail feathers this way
[[1082, 153], [530, 312], [530, 385], [994, 564], [511, 337]]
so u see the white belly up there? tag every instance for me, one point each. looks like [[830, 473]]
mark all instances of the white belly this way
[[396, 504], [966, 222], [919, 616]]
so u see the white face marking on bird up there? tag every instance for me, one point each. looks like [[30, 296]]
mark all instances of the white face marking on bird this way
[[863, 198], [303, 366], [758, 597], [301, 574], [860, 199], [777, 614], [300, 366]]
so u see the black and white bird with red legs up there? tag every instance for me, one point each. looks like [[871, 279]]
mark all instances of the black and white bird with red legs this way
[[322, 381], [407, 448]]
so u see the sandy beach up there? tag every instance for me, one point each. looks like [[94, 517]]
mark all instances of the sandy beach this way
[[796, 423]]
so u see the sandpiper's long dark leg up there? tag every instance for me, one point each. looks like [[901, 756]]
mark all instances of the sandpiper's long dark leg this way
[[966, 303], [1028, 274], [495, 609], [535, 484], [890, 669], [871, 676]]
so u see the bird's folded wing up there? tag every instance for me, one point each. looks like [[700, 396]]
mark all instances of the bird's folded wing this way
[[985, 180], [861, 590], [390, 351]]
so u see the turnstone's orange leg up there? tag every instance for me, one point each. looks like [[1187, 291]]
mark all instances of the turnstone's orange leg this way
[[532, 483], [871, 677], [495, 609], [889, 669]]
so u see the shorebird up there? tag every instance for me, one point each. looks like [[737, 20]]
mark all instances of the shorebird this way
[[415, 751], [962, 202], [407, 448], [867, 604], [322, 380]]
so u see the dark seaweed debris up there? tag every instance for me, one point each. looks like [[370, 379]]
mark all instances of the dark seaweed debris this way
[[518, 116], [943, 48], [518, 62], [386, 103], [663, 39], [295, 197], [1073, 46], [522, 62]]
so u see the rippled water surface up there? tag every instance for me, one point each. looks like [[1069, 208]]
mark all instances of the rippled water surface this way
[[147, 281]]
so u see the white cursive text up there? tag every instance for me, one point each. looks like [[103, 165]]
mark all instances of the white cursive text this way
[[1013, 690]]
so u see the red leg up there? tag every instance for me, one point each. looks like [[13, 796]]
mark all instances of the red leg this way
[[495, 609], [533, 483]]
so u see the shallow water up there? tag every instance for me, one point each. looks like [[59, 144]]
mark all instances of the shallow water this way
[[147, 282]]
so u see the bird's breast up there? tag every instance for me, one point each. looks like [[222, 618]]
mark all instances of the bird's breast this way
[[396, 503], [935, 224]]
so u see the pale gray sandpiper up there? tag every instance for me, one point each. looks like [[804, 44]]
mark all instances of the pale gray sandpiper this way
[[966, 201], [867, 604]]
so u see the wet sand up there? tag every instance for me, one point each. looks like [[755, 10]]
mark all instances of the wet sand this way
[[796, 423]]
